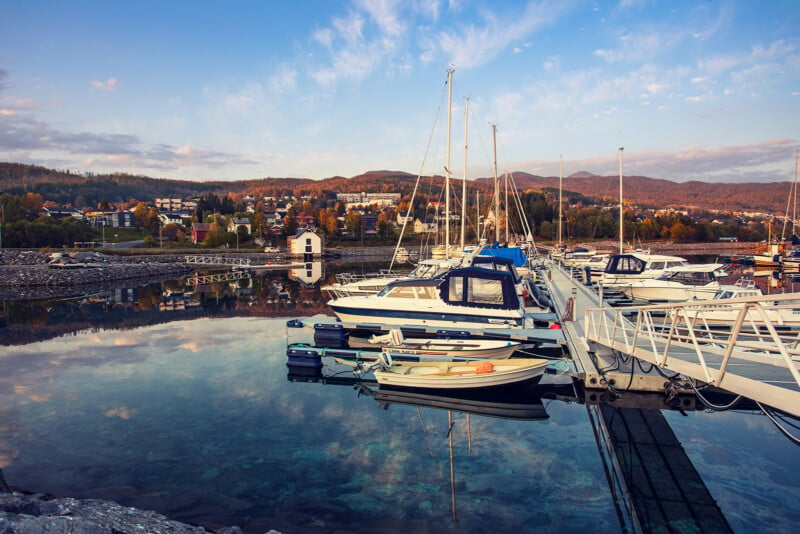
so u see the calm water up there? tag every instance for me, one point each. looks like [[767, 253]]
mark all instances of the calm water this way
[[198, 419]]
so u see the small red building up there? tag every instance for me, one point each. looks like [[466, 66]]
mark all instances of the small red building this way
[[199, 232]]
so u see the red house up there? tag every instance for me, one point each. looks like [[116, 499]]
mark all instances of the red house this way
[[199, 232]]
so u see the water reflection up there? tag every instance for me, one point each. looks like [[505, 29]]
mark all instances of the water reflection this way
[[261, 293], [176, 397]]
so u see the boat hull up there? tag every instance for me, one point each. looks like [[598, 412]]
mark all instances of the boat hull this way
[[444, 348], [670, 293], [458, 318]]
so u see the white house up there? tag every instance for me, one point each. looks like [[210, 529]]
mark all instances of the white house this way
[[304, 242], [235, 222]]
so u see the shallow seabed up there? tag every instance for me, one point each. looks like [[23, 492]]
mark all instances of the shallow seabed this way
[[197, 420]]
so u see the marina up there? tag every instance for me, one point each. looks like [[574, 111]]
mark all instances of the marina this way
[[579, 449], [323, 283]]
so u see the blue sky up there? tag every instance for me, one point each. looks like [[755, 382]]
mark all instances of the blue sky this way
[[704, 90]]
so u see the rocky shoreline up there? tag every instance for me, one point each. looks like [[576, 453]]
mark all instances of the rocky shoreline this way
[[36, 275], [22, 513]]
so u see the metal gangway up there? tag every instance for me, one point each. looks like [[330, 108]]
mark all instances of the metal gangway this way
[[746, 346], [231, 276], [210, 259]]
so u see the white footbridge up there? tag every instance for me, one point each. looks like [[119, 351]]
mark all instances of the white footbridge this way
[[753, 354]]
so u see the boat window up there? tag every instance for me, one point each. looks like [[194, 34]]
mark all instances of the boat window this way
[[657, 265], [406, 292], [626, 264], [426, 292], [456, 289], [676, 264], [483, 291]]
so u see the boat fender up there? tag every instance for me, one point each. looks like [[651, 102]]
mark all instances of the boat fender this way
[[483, 368]]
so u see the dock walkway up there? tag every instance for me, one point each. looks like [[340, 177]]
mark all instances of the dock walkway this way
[[596, 368], [609, 346]]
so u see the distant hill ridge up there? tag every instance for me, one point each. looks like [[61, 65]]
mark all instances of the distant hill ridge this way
[[65, 187]]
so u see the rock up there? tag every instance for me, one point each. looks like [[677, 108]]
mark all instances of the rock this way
[[37, 514]]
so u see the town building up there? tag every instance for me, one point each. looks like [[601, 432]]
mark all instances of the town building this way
[[199, 232], [304, 242]]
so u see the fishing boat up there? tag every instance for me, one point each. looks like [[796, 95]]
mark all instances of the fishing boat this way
[[700, 282], [461, 298], [396, 345], [458, 375]]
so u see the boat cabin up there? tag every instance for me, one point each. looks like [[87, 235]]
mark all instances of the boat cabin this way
[[694, 275], [496, 263], [466, 286], [636, 264], [743, 288]]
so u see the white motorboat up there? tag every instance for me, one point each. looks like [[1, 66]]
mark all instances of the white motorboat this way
[[348, 284], [461, 298], [623, 269], [700, 282], [731, 300]]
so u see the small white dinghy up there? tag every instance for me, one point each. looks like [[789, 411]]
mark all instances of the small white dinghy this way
[[395, 344], [455, 375]]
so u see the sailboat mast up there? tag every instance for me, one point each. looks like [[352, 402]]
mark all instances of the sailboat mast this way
[[794, 182], [464, 189], [506, 205], [496, 188], [447, 166], [478, 213], [560, 193], [621, 223]]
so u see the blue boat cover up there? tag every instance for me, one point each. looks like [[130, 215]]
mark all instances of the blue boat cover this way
[[513, 253]]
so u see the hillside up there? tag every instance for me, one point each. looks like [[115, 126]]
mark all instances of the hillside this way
[[657, 193], [65, 188]]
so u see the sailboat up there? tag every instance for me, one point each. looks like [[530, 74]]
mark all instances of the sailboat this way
[[791, 258]]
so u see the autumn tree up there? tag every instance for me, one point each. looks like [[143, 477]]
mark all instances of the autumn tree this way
[[32, 203]]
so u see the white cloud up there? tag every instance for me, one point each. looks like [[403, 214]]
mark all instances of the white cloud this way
[[111, 84], [471, 46], [386, 14], [355, 47], [284, 80]]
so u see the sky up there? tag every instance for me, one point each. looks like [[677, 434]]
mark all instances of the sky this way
[[693, 90]]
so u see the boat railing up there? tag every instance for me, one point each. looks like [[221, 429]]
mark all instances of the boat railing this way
[[745, 283], [688, 338]]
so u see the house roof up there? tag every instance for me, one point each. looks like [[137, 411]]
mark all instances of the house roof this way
[[303, 231]]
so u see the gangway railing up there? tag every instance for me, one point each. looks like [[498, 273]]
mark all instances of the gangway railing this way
[[232, 276], [747, 346], [215, 260]]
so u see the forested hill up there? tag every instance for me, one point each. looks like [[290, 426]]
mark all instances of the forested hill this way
[[65, 187], [656, 193]]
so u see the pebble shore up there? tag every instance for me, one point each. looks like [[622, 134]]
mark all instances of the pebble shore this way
[[34, 275]]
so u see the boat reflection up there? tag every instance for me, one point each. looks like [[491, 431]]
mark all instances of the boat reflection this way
[[520, 402]]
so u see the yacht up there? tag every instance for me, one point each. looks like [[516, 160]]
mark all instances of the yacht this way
[[349, 284], [700, 282], [466, 297], [623, 269]]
